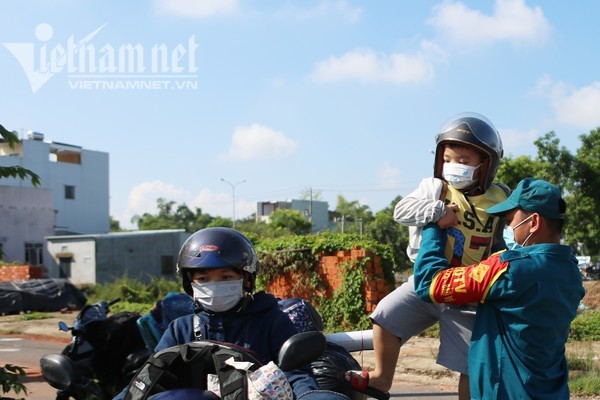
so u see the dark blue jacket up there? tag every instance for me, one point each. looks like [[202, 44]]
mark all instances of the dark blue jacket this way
[[261, 327]]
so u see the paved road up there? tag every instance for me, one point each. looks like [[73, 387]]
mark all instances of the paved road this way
[[27, 351]]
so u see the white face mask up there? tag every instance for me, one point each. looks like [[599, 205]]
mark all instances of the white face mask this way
[[219, 296], [509, 236], [459, 176]]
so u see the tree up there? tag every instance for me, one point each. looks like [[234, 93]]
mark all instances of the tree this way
[[10, 374], [181, 218], [577, 175], [220, 221], [290, 221], [353, 215], [17, 171], [384, 229], [115, 226]]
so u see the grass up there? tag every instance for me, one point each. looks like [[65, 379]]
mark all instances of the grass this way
[[34, 316], [584, 368]]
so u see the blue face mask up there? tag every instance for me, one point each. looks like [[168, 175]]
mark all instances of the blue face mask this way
[[509, 236]]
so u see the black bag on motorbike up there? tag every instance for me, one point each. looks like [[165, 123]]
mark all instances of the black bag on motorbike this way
[[187, 366], [115, 338], [303, 315], [335, 360]]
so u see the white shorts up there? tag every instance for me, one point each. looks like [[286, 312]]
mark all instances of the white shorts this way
[[405, 315]]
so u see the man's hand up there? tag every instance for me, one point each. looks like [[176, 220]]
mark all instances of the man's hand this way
[[449, 218]]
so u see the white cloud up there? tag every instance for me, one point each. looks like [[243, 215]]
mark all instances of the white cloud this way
[[325, 9], [196, 8], [142, 199], [259, 141], [518, 142], [364, 65], [578, 107], [512, 21], [219, 204]]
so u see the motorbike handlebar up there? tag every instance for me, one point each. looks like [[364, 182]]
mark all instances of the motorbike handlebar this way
[[114, 301]]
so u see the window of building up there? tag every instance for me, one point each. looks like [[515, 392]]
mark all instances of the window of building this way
[[64, 267], [167, 265], [69, 192], [34, 253]]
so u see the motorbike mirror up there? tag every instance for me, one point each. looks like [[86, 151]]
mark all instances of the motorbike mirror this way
[[58, 371], [300, 350], [63, 327]]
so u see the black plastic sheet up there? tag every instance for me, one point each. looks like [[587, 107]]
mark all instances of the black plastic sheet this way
[[39, 295]]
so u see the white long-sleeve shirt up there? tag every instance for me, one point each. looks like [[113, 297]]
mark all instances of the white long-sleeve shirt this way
[[419, 208]]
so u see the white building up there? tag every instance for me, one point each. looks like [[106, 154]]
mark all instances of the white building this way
[[75, 179], [26, 217], [92, 259]]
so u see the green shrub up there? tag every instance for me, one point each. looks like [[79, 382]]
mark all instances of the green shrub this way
[[133, 291], [9, 379], [586, 326]]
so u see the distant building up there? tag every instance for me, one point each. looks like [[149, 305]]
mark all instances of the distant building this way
[[315, 211], [26, 217], [73, 196], [92, 259]]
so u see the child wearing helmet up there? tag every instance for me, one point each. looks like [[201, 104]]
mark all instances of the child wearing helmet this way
[[468, 153], [218, 268]]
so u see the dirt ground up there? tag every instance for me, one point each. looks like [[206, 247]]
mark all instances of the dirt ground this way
[[592, 294]]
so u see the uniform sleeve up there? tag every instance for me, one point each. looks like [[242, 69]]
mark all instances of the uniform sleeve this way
[[436, 283], [421, 206]]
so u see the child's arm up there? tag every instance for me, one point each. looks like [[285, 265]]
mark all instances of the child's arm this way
[[436, 283], [421, 206]]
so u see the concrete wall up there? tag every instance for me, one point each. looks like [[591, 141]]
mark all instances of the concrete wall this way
[[82, 252], [58, 165], [26, 215], [104, 258]]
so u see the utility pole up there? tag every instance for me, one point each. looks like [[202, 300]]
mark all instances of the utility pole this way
[[233, 185]]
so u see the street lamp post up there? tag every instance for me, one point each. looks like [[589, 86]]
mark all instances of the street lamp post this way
[[233, 185]]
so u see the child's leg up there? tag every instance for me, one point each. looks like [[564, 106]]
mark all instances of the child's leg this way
[[398, 317]]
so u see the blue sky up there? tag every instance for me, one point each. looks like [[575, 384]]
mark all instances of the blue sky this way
[[340, 96]]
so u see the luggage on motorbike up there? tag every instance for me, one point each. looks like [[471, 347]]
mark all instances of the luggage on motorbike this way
[[303, 314], [188, 366], [114, 339], [171, 307], [334, 360]]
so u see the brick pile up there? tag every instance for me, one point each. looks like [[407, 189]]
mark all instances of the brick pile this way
[[20, 272], [329, 271]]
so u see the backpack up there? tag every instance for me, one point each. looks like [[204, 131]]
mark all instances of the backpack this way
[[303, 315], [188, 365], [334, 360]]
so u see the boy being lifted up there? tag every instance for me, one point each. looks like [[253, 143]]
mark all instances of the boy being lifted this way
[[468, 153]]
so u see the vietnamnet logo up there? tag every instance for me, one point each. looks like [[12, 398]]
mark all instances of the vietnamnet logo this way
[[91, 66]]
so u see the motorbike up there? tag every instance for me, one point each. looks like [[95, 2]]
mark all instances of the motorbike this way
[[182, 372], [593, 271], [102, 357], [327, 354]]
